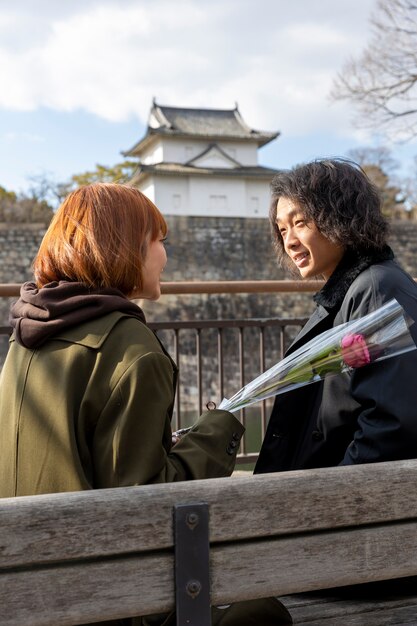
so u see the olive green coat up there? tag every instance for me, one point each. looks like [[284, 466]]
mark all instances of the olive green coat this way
[[91, 408]]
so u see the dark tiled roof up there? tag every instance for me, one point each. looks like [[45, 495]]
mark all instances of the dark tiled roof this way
[[206, 122], [178, 169], [202, 123]]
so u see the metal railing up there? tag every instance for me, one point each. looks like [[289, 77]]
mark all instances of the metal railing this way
[[219, 374], [10, 290], [256, 340]]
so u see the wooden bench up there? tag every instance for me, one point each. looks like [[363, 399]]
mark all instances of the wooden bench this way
[[81, 557]]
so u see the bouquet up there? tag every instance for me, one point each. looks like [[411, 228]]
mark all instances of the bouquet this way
[[379, 335]]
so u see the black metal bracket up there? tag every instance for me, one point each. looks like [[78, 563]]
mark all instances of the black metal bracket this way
[[192, 567]]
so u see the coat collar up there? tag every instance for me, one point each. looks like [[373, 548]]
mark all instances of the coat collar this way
[[331, 295], [318, 322]]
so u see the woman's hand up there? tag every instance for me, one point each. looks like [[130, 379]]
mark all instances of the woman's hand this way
[[178, 434]]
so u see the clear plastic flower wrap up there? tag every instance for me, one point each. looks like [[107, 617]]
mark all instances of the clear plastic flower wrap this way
[[380, 335]]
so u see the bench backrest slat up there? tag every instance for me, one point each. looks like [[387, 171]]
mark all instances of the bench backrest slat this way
[[80, 592], [39, 529], [72, 558]]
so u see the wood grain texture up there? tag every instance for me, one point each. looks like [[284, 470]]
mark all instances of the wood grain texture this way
[[376, 604], [41, 529], [144, 584], [79, 557], [88, 591], [318, 561]]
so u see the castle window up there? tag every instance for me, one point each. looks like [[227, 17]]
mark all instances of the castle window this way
[[218, 202], [254, 204]]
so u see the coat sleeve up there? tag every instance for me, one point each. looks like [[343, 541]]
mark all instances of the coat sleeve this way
[[385, 392], [132, 439]]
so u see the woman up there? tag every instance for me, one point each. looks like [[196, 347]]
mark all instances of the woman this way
[[87, 390], [327, 222]]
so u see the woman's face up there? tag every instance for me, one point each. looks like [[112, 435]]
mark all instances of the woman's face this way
[[310, 251], [155, 261]]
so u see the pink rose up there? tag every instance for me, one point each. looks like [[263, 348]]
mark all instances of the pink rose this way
[[355, 352]]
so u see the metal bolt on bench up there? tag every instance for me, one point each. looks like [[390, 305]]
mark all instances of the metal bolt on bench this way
[[192, 575]]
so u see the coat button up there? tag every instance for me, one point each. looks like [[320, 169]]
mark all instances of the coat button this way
[[230, 450], [317, 435], [278, 435], [236, 436]]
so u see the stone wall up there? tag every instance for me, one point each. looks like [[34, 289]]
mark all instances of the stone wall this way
[[18, 246], [204, 249], [201, 248], [235, 249], [241, 249]]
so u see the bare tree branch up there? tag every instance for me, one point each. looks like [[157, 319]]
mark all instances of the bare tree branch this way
[[382, 81]]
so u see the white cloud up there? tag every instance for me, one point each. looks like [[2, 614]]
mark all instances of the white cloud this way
[[311, 34], [13, 136], [277, 59]]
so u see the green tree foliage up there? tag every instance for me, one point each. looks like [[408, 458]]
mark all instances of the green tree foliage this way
[[392, 196], [23, 208], [380, 167], [44, 188], [45, 194], [119, 173], [410, 189]]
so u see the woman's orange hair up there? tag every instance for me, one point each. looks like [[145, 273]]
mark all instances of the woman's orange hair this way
[[99, 237]]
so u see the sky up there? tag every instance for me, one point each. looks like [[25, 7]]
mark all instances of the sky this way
[[78, 77]]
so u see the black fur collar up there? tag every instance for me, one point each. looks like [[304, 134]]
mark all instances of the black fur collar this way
[[352, 264]]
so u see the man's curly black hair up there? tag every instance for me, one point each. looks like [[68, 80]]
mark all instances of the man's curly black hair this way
[[339, 198]]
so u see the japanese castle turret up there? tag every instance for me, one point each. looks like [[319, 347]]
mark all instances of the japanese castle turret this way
[[202, 162]]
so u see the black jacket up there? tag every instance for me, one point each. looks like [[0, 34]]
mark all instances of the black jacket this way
[[366, 416]]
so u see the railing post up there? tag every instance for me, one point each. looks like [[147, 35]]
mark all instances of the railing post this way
[[192, 576], [242, 412], [262, 369], [220, 362], [199, 370], [178, 390]]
